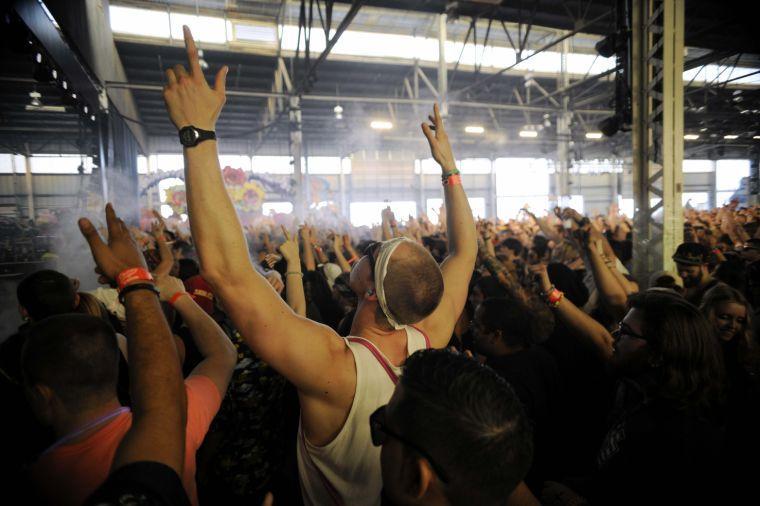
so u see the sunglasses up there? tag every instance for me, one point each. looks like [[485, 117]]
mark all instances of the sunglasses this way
[[625, 330], [379, 431], [371, 251]]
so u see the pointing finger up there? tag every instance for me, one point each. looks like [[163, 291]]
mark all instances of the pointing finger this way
[[192, 53]]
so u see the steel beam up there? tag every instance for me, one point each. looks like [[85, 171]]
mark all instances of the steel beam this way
[[657, 74], [543, 48], [371, 100], [443, 79], [50, 36]]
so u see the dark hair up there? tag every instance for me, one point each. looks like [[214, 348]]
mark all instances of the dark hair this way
[[732, 272], [508, 315], [188, 267], [681, 340], [490, 287], [76, 355], [568, 282], [46, 293], [471, 422], [413, 285], [512, 244], [184, 247], [540, 245]]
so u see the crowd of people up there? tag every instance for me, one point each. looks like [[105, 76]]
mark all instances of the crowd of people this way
[[465, 362]]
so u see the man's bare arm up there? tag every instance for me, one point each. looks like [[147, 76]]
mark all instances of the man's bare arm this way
[[463, 246], [158, 395], [298, 348]]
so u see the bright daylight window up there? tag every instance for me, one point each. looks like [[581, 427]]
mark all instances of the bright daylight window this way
[[272, 165], [369, 213]]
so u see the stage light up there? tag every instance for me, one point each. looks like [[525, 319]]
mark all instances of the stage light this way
[[35, 96], [530, 134], [593, 135], [381, 125], [338, 110], [474, 129], [756, 137], [691, 137], [607, 46], [730, 137], [609, 126]]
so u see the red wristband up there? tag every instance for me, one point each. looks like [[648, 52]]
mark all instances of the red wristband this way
[[453, 180], [554, 297], [131, 275], [176, 297]]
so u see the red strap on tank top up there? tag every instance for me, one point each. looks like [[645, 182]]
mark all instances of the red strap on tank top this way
[[379, 356]]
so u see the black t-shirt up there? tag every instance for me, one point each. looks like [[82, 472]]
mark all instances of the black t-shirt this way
[[141, 484], [535, 378], [655, 453]]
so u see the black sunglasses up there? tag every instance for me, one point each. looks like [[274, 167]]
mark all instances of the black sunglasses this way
[[380, 432], [371, 250], [625, 330]]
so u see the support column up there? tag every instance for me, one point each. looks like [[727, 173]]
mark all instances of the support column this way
[[342, 188], [443, 78], [492, 194], [753, 186], [713, 195], [296, 151], [29, 185], [564, 118], [657, 75], [421, 207]]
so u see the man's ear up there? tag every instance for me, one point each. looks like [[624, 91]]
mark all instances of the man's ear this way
[[77, 299], [423, 479], [40, 399]]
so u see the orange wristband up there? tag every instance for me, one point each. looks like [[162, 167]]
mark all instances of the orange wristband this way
[[128, 276], [176, 297], [453, 179]]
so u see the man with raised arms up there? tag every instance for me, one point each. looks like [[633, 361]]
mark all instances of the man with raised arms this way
[[406, 302]]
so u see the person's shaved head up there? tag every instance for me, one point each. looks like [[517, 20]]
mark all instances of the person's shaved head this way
[[413, 284]]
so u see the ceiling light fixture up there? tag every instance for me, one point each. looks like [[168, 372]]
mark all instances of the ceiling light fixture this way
[[381, 125], [730, 137], [338, 110], [756, 137], [528, 132], [474, 129], [594, 135], [691, 137]]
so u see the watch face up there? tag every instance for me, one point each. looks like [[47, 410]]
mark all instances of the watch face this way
[[188, 136]]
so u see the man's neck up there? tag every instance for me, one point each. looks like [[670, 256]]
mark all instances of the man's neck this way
[[72, 422], [393, 343]]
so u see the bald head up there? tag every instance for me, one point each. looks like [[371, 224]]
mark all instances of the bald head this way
[[413, 284]]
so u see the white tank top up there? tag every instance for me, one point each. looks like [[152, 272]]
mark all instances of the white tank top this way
[[346, 471]]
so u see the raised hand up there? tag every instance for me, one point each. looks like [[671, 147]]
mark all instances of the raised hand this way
[[289, 248], [168, 286], [120, 253], [540, 272], [439, 141], [188, 97]]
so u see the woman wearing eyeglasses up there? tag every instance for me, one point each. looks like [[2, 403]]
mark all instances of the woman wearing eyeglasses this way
[[663, 438]]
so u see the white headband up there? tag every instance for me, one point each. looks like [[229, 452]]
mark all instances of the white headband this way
[[381, 269]]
